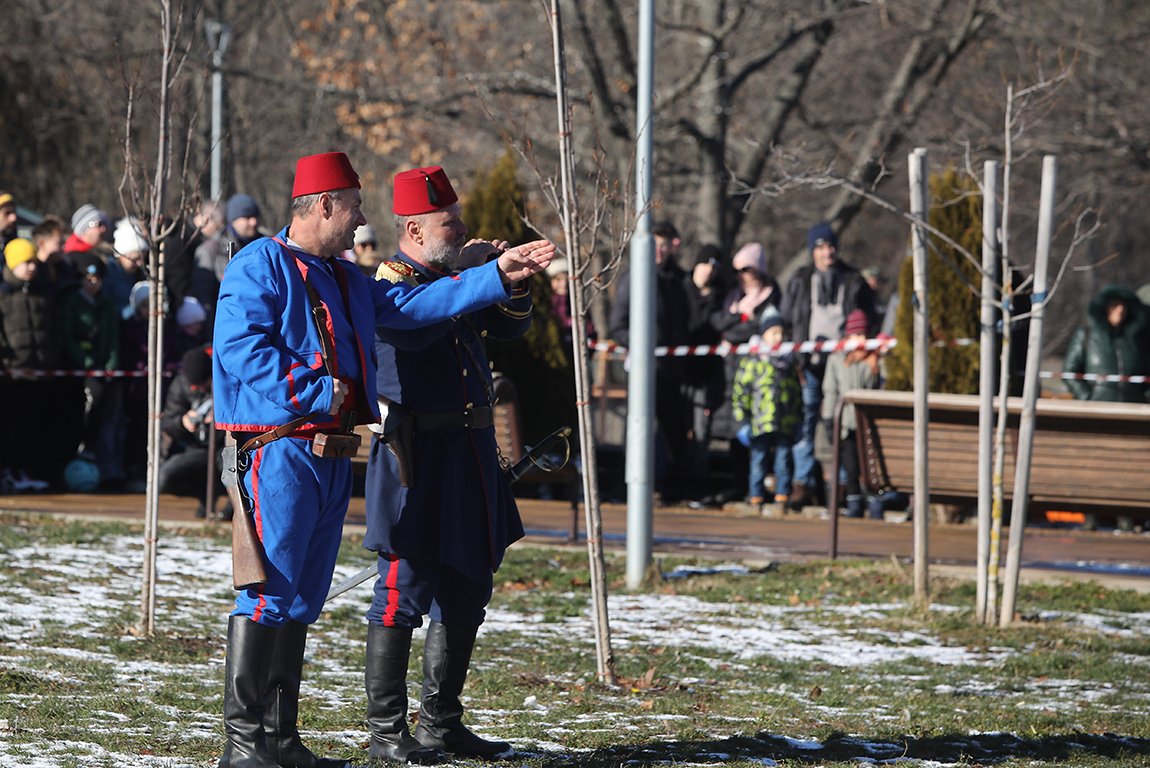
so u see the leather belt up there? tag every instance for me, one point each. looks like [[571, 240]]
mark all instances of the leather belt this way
[[259, 441], [470, 418], [248, 443]]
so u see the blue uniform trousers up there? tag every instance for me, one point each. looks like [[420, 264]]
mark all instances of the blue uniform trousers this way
[[409, 588], [299, 501]]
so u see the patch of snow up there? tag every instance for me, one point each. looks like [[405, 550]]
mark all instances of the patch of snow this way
[[745, 632]]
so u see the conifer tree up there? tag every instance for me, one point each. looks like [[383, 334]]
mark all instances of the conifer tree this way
[[956, 209], [537, 362]]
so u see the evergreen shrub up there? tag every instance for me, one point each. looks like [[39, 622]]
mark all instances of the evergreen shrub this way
[[537, 362], [956, 209]]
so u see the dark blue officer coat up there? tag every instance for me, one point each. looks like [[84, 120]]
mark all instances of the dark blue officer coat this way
[[460, 511]]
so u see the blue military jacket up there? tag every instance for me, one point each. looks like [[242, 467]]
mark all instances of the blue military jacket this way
[[267, 364], [460, 510]]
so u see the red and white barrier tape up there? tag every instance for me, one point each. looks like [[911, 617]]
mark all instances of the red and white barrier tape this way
[[721, 350], [749, 348], [26, 373], [1094, 377], [883, 345]]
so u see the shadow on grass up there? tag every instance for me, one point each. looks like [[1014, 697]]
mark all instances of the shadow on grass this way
[[985, 749]]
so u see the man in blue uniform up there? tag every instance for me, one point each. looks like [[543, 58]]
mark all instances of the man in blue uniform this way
[[293, 361], [439, 507]]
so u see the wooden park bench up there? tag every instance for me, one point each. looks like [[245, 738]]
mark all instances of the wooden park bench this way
[[1088, 457]]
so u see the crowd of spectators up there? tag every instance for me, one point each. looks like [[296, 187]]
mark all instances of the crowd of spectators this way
[[74, 297], [773, 406], [74, 311]]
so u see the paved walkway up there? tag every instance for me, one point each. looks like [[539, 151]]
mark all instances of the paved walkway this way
[[1120, 560]]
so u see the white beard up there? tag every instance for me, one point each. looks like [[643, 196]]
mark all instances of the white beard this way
[[441, 255]]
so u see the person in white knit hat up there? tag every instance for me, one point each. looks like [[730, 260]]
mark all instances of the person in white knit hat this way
[[125, 268], [189, 332]]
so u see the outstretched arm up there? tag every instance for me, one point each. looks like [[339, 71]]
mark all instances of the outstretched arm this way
[[523, 261]]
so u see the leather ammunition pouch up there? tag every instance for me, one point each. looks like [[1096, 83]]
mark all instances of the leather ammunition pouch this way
[[335, 446]]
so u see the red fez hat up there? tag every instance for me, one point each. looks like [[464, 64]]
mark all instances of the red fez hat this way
[[422, 190], [323, 173]]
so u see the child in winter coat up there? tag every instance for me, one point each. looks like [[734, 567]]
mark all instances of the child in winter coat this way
[[857, 369], [768, 403]]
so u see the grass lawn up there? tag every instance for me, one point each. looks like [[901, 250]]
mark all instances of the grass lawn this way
[[801, 664]]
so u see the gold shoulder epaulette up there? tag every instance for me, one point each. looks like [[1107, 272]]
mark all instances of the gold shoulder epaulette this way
[[395, 272]]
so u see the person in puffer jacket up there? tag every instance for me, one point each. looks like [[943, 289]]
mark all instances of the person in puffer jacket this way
[[29, 340], [1114, 343], [768, 403]]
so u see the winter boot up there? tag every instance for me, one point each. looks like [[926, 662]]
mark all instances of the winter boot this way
[[281, 702], [800, 496], [388, 649], [855, 506], [446, 657], [245, 678]]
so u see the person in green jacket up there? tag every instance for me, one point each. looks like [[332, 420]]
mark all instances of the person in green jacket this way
[[768, 404], [91, 327], [1112, 342]]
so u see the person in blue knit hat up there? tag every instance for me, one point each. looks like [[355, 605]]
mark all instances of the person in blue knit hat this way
[[242, 215], [817, 301]]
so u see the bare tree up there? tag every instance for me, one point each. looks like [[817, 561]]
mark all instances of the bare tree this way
[[144, 197]]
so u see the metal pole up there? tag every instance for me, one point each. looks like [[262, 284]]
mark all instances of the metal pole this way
[[920, 208], [641, 382], [836, 426], [217, 33], [210, 496], [217, 128], [986, 379], [1021, 501]]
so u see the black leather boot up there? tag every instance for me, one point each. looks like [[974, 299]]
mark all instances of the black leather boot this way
[[281, 702], [446, 657], [245, 677], [385, 679]]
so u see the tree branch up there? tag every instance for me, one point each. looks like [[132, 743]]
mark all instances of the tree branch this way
[[890, 123]]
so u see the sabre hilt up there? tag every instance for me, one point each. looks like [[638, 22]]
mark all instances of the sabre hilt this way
[[535, 454]]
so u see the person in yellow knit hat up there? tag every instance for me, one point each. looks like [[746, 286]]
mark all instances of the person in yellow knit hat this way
[[29, 340]]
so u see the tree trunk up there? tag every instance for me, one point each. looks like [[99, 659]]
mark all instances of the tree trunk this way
[[156, 205], [569, 212], [786, 98], [710, 138], [897, 112]]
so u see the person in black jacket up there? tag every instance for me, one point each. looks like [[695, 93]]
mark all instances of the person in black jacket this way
[[185, 423], [29, 340], [672, 328], [704, 382], [816, 303]]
